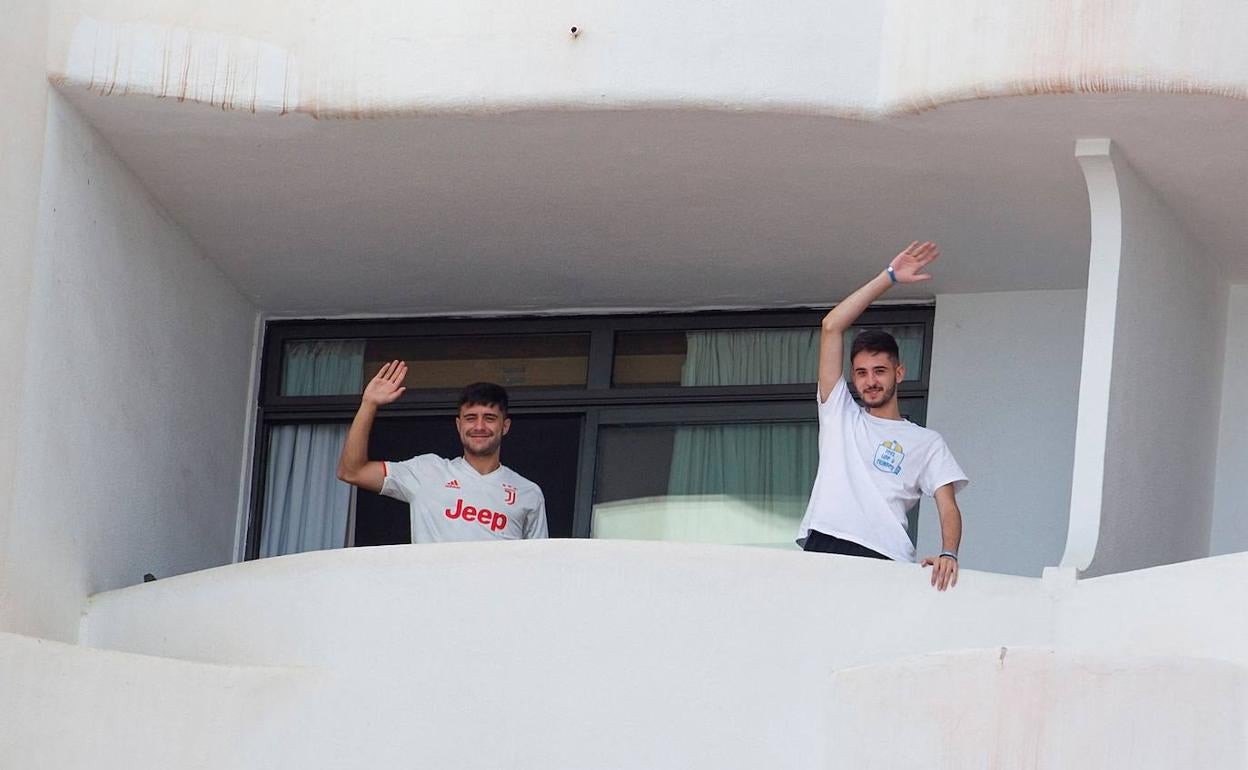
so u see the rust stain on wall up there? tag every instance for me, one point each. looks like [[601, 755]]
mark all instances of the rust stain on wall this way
[[932, 57]]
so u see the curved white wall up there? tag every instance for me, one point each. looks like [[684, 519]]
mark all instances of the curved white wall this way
[[383, 57], [970, 49], [67, 707], [562, 653], [1146, 445], [571, 654]]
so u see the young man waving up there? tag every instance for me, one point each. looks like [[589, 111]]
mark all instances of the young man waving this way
[[472, 497], [873, 464]]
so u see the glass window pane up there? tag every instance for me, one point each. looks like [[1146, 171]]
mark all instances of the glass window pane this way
[[512, 360], [648, 358], [340, 367], [740, 483], [739, 356], [719, 357], [322, 367]]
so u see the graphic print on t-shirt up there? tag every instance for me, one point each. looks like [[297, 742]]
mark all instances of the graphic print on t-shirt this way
[[888, 457], [867, 479]]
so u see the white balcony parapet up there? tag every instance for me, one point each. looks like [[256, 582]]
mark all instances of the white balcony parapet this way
[[563, 654]]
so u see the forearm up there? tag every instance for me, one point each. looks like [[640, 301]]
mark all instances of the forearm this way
[[843, 315], [838, 319], [355, 449], [950, 528]]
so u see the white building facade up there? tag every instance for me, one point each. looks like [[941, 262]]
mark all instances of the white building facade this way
[[181, 180]]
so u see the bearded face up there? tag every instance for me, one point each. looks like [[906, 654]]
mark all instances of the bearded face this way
[[875, 378]]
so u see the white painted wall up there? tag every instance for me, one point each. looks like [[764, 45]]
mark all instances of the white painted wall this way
[[1230, 494], [136, 372], [560, 654], [572, 654], [1143, 669], [1004, 393], [1191, 608], [972, 49], [1165, 395], [67, 707], [341, 59], [23, 48], [1041, 710]]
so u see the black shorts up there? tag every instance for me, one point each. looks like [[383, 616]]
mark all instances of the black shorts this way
[[817, 541]]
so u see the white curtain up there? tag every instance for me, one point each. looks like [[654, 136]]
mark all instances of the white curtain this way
[[306, 507], [762, 472]]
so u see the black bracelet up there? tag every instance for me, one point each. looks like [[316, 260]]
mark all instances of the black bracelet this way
[[950, 554]]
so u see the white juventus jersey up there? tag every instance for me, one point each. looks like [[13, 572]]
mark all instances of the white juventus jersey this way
[[451, 502]]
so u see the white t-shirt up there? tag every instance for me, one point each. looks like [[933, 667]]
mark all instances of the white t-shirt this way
[[871, 471], [451, 502]]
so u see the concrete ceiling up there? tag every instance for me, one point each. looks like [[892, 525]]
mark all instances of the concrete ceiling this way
[[559, 210]]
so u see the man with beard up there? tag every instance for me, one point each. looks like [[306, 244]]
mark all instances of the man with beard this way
[[874, 464], [473, 497]]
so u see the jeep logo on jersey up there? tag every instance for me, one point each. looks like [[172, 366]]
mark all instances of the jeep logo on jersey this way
[[495, 520], [511, 494]]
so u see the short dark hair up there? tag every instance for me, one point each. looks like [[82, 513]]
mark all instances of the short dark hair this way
[[484, 394], [874, 341]]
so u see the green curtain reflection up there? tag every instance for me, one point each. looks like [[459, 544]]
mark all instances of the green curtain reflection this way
[[761, 471]]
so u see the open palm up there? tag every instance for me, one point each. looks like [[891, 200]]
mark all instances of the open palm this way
[[387, 386], [908, 266]]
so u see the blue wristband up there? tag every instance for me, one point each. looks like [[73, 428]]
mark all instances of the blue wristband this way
[[891, 275]]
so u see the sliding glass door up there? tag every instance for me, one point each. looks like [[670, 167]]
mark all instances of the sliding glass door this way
[[692, 427]]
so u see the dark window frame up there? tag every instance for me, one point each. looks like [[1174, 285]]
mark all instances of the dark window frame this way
[[600, 403]]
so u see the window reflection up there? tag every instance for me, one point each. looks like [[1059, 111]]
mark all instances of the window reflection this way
[[730, 357], [740, 483], [341, 367]]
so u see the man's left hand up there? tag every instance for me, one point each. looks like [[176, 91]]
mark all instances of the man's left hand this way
[[944, 571]]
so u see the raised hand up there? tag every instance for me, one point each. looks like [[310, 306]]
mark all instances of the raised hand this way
[[908, 266], [387, 386]]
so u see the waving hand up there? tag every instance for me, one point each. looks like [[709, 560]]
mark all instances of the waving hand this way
[[908, 266], [387, 386]]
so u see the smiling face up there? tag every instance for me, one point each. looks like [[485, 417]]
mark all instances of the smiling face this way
[[481, 428], [875, 377]]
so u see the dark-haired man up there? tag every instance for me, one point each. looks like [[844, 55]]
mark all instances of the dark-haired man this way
[[874, 464], [472, 497]]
